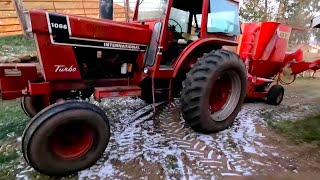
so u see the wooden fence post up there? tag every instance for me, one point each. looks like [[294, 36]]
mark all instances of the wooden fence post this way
[[21, 16]]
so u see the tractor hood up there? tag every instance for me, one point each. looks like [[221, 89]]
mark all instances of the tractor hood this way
[[83, 31]]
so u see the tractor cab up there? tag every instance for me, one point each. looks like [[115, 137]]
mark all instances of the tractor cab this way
[[177, 24]]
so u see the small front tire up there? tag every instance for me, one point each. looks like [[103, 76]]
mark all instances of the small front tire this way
[[275, 95]]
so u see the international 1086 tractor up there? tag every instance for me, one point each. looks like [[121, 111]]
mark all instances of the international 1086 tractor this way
[[174, 51]]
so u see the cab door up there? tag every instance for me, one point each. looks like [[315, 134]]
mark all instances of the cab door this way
[[220, 19]]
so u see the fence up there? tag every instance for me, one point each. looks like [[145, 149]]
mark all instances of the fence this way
[[9, 22]]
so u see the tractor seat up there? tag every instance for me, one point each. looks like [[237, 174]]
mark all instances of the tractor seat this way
[[190, 37]]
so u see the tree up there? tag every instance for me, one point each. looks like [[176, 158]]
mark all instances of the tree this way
[[296, 13], [300, 13], [254, 11]]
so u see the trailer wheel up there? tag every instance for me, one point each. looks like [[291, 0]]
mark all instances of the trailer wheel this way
[[275, 95], [65, 138], [214, 91], [31, 105]]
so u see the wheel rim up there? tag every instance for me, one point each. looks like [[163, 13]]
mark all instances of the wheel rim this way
[[225, 95], [71, 141]]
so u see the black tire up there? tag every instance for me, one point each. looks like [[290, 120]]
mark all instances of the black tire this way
[[31, 105], [199, 85], [81, 124], [275, 95]]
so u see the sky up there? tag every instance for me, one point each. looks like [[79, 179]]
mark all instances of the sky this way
[[153, 3]]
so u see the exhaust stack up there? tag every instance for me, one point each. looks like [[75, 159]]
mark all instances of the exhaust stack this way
[[106, 9]]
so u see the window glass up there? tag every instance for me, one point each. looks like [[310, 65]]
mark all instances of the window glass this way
[[224, 17], [151, 9], [199, 19], [182, 17]]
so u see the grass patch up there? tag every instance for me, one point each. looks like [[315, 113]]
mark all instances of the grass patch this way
[[18, 40], [6, 158], [16, 45], [12, 124], [8, 172], [8, 161], [12, 119], [301, 131]]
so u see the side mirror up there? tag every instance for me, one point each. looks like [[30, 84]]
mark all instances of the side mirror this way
[[315, 23]]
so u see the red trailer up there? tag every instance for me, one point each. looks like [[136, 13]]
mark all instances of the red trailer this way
[[263, 47]]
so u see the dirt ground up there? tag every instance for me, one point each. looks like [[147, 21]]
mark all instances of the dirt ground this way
[[162, 146]]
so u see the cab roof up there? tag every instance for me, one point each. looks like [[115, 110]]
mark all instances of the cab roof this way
[[189, 5]]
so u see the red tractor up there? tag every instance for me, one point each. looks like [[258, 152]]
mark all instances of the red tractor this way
[[175, 48]]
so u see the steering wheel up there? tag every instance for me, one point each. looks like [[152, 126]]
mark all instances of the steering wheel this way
[[176, 24]]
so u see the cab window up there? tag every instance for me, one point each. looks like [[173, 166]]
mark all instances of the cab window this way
[[223, 17], [181, 17]]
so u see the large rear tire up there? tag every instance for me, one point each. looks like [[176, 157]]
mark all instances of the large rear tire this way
[[215, 89], [65, 138], [31, 105]]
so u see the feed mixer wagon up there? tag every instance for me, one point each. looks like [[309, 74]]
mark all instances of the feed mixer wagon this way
[[263, 47]]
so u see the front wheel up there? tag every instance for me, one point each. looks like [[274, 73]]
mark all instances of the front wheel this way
[[65, 138], [215, 89], [275, 95]]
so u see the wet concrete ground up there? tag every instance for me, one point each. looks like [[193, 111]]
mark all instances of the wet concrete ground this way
[[162, 146]]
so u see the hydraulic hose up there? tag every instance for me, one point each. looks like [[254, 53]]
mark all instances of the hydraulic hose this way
[[287, 83]]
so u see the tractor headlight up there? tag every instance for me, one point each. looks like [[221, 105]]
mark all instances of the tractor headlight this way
[[146, 70]]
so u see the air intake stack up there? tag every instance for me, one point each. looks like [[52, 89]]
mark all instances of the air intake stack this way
[[106, 9]]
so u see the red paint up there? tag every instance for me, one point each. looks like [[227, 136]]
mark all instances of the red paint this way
[[53, 56], [197, 46], [56, 59], [109, 30], [300, 67], [71, 142], [42, 88], [220, 93], [116, 91], [15, 77], [263, 47]]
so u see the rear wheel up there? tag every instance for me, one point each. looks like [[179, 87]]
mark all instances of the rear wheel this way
[[65, 138], [214, 91], [31, 105], [275, 95]]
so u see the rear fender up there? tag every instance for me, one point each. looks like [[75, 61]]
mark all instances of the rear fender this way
[[195, 50], [14, 79]]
